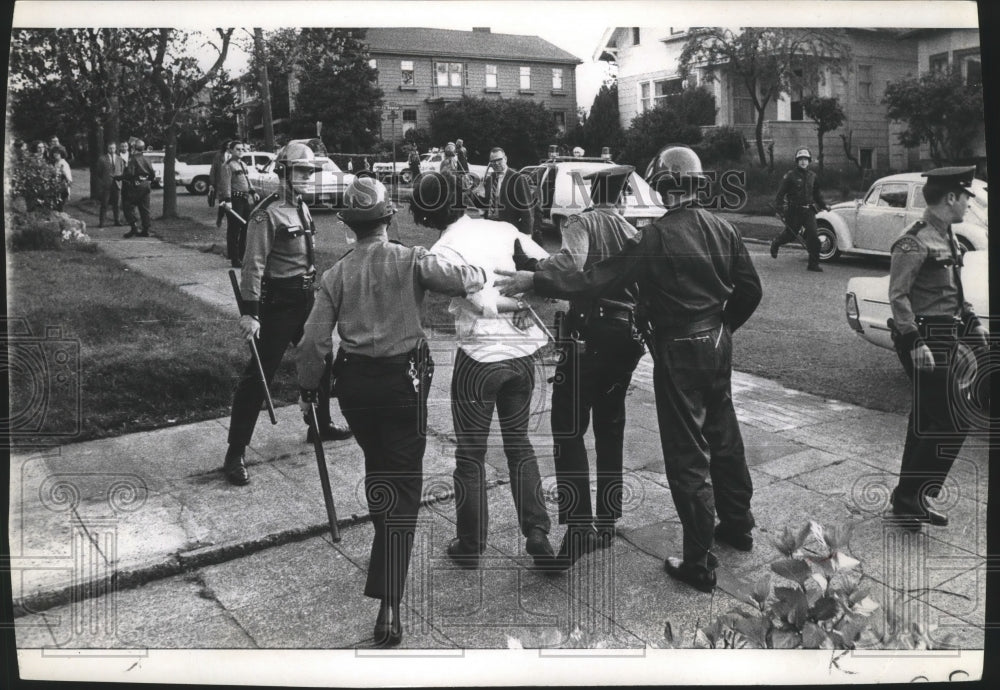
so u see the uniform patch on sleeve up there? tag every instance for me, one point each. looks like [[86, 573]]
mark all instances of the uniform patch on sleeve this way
[[907, 244], [259, 217]]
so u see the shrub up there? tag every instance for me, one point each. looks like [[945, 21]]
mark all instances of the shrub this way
[[721, 144], [36, 182], [44, 229]]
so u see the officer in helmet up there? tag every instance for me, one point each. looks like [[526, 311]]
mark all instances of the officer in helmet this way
[[277, 287], [372, 296], [797, 201], [696, 285]]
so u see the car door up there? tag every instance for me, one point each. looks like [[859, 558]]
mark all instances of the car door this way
[[263, 179], [882, 216]]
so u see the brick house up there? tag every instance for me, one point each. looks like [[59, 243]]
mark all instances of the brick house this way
[[419, 69], [648, 72]]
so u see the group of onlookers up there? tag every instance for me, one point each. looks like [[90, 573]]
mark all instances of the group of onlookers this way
[[124, 179], [51, 153]]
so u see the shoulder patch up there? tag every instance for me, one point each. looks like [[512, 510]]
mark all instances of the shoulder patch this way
[[907, 243]]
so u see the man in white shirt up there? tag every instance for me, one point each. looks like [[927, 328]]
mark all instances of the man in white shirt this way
[[494, 369]]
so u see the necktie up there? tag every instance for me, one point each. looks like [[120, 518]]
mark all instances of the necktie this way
[[496, 196]]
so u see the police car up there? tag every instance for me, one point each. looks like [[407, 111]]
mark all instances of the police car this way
[[324, 187], [560, 191]]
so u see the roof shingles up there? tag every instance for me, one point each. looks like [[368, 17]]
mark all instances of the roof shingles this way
[[468, 44]]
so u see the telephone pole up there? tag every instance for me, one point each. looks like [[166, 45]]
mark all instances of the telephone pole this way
[[264, 88]]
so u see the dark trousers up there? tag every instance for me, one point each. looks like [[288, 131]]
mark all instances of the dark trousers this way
[[110, 197], [236, 232], [136, 199], [477, 388], [702, 448], [591, 380], [801, 217], [388, 418], [282, 316], [934, 434]]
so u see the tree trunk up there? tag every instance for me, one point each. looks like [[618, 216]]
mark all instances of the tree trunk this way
[[759, 132], [264, 86], [169, 181], [820, 152], [95, 142]]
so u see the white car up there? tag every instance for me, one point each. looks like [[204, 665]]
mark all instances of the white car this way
[[431, 162], [195, 174], [867, 300], [324, 187], [562, 192], [870, 225], [156, 159]]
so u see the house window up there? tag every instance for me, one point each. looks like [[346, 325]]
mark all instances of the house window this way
[[560, 120], [449, 73], [795, 109], [491, 76], [635, 35], [525, 78], [406, 72], [743, 111], [865, 82], [938, 62], [666, 89], [409, 119], [557, 78], [645, 101], [867, 158], [974, 72]]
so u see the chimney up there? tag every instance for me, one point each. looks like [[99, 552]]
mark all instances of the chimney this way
[[481, 29]]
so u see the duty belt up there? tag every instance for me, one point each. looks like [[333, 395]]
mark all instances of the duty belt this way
[[669, 332], [302, 282], [240, 195], [938, 326]]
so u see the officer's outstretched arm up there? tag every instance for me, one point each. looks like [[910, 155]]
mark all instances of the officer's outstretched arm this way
[[605, 276], [317, 340], [450, 278]]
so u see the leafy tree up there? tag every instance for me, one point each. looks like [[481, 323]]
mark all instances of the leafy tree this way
[[828, 116], [220, 118], [675, 120], [523, 128], [337, 87], [602, 126], [765, 62], [418, 137], [940, 110]]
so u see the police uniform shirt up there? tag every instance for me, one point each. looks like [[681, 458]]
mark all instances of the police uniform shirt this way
[[588, 238], [689, 265], [923, 279], [801, 188], [233, 179], [489, 245], [276, 248], [373, 296]]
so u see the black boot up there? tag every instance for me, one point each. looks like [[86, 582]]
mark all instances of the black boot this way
[[816, 268], [538, 547], [235, 467], [578, 541], [388, 626], [130, 233], [741, 541], [700, 578]]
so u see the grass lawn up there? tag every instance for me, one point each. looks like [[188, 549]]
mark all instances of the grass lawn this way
[[148, 355]]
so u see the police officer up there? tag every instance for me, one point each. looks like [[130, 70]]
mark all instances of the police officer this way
[[930, 317], [697, 285], [600, 347], [801, 190], [136, 180], [372, 296], [277, 290], [236, 193]]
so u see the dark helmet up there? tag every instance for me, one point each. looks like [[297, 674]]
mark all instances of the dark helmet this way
[[300, 153], [366, 201]]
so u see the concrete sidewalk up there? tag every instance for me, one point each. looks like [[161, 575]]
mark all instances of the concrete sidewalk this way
[[150, 515]]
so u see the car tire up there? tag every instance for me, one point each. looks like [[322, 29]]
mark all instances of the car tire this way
[[964, 244], [827, 242], [199, 186]]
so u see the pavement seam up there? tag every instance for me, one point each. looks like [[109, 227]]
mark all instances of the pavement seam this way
[[206, 592]]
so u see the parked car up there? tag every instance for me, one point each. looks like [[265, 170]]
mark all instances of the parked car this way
[[867, 299], [561, 191], [870, 225], [155, 159], [431, 162], [324, 188], [386, 170], [194, 170]]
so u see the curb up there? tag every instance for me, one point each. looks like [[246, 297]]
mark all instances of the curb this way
[[201, 557]]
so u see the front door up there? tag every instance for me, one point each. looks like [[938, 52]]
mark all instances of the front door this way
[[881, 217]]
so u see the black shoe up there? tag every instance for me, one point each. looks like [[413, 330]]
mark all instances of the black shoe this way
[[713, 561], [329, 432], [130, 233], [578, 541], [235, 468], [774, 248], [144, 233], [701, 579], [388, 626], [815, 268], [463, 557], [605, 533], [905, 512], [741, 541], [538, 547]]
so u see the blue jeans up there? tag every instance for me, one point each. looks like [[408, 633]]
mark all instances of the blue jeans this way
[[477, 388]]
